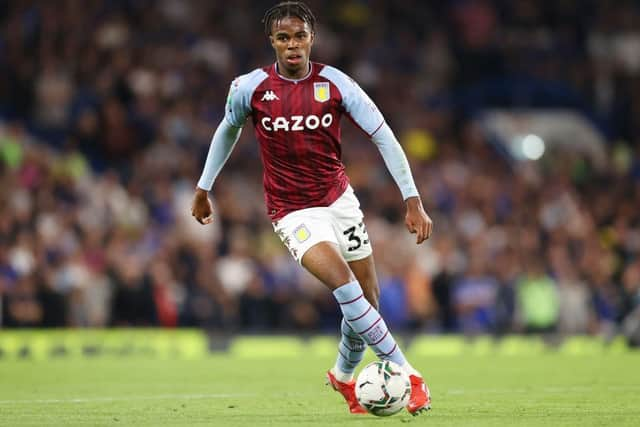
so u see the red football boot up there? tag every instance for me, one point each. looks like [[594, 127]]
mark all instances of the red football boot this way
[[348, 391], [420, 397]]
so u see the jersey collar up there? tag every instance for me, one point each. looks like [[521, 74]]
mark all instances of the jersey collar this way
[[275, 70]]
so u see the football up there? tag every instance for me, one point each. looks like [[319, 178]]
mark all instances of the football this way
[[383, 388]]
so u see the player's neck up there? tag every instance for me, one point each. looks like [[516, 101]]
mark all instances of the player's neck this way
[[302, 74]]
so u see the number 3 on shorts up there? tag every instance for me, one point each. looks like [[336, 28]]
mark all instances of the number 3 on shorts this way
[[357, 236]]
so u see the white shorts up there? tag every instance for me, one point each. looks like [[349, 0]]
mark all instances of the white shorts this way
[[340, 223]]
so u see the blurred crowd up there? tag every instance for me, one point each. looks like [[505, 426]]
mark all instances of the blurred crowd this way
[[106, 113]]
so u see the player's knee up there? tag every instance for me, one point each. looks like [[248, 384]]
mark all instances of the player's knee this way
[[336, 276]]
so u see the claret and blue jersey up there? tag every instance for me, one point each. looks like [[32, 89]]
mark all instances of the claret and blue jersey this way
[[297, 125]]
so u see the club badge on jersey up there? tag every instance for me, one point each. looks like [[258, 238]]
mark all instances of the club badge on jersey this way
[[321, 91]]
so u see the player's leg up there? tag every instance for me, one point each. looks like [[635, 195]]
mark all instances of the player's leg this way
[[353, 241], [352, 347], [313, 241], [365, 272], [325, 261], [351, 350], [311, 228], [354, 247]]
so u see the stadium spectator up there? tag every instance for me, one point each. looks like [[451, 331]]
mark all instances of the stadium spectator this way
[[105, 107]]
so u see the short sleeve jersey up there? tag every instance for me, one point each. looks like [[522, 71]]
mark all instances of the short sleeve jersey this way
[[297, 125]]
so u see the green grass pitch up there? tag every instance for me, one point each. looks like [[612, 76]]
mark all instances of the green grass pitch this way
[[551, 389]]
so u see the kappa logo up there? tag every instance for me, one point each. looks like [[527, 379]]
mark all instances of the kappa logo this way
[[269, 96]]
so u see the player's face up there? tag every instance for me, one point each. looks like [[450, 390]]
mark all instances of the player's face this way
[[292, 39]]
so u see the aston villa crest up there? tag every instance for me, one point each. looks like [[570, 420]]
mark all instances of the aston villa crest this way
[[321, 91]]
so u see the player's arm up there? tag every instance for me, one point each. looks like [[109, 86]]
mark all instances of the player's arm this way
[[416, 219], [224, 139], [366, 115]]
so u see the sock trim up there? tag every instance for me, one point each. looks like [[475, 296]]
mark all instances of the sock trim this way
[[374, 324], [347, 359], [395, 346], [361, 316], [352, 301], [347, 347], [355, 334], [383, 337]]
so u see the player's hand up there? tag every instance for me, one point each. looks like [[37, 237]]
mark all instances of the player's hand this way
[[201, 207], [417, 220]]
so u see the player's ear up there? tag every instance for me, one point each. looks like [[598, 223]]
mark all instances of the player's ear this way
[[272, 40], [312, 38]]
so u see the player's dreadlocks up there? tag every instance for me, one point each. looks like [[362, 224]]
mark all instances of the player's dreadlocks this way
[[285, 9]]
